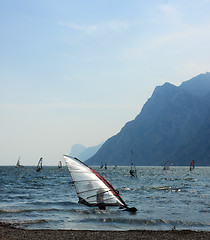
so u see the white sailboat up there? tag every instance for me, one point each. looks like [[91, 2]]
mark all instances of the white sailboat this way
[[92, 189]]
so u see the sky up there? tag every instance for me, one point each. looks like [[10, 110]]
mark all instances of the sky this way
[[75, 71]]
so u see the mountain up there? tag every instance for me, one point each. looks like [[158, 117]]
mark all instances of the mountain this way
[[77, 149], [167, 128], [89, 152], [198, 85], [83, 153]]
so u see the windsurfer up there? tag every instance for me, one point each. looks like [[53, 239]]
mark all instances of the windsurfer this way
[[100, 199]]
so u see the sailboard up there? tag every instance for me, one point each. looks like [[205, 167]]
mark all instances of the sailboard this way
[[60, 164], [92, 189], [192, 165], [39, 165], [166, 165], [133, 171], [18, 165]]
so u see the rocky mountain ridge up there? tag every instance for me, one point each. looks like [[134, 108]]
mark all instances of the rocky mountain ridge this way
[[172, 125]]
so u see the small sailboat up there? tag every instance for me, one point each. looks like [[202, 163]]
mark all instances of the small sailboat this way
[[192, 165], [39, 165], [18, 165], [166, 165], [133, 171], [92, 189], [60, 164]]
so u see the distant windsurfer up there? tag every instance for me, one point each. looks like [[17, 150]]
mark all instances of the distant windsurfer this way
[[39, 166]]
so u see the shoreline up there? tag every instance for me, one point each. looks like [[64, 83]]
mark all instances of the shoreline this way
[[10, 231]]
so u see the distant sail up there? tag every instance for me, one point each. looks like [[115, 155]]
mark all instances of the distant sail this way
[[92, 189], [18, 165], [133, 171], [39, 165], [192, 165], [166, 165], [60, 164]]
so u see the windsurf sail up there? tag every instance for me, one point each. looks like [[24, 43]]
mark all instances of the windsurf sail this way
[[39, 165], [18, 165], [133, 171], [192, 165], [92, 189], [60, 164], [166, 165]]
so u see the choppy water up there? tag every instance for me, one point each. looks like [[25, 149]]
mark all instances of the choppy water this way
[[164, 199]]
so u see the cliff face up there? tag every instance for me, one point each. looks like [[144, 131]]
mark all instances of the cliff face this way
[[170, 124]]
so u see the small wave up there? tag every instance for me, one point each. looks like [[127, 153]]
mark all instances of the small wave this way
[[146, 222], [159, 188], [125, 189], [26, 222]]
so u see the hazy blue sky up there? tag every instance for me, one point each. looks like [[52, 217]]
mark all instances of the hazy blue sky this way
[[75, 71]]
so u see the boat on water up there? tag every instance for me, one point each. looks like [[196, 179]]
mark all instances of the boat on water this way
[[166, 165], [133, 171], [60, 164], [92, 189], [105, 166], [39, 165], [18, 165], [192, 165]]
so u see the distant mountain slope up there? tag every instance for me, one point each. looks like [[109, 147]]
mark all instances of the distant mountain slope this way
[[82, 152], [89, 152], [169, 120], [199, 147], [198, 85], [77, 149]]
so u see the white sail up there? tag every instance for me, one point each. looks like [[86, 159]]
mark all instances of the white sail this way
[[18, 165], [92, 189]]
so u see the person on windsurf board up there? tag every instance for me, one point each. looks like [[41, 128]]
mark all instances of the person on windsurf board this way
[[101, 194]]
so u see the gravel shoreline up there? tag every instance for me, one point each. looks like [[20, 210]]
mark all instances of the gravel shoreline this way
[[8, 231]]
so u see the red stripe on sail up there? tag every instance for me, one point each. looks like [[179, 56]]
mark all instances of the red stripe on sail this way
[[108, 185]]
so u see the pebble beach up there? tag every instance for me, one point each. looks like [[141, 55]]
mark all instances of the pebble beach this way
[[9, 231]]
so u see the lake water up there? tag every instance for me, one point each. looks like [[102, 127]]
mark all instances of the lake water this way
[[164, 199]]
